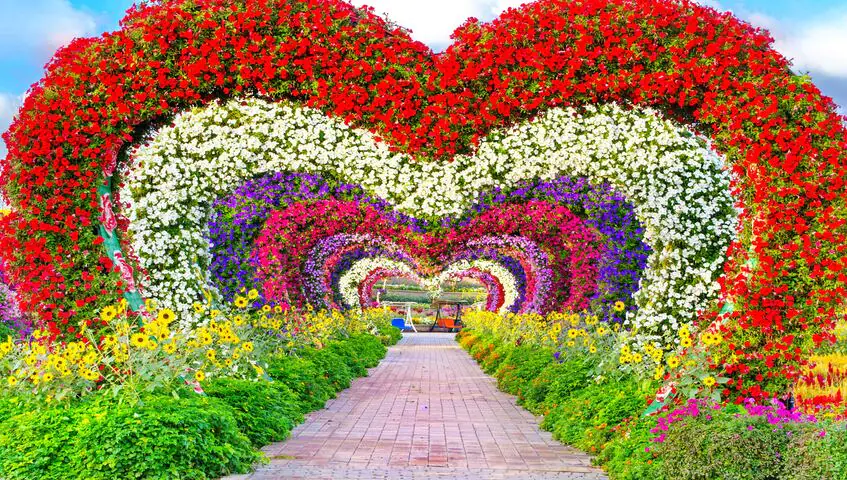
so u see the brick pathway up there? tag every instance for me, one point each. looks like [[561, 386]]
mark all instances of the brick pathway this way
[[427, 411]]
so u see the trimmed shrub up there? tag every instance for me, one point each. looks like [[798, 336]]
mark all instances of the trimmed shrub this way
[[520, 367], [265, 411], [162, 437], [331, 366], [298, 374], [817, 454], [720, 446]]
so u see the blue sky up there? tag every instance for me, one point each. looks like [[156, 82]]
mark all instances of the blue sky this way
[[812, 32]]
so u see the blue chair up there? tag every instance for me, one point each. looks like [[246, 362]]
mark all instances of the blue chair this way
[[399, 323]]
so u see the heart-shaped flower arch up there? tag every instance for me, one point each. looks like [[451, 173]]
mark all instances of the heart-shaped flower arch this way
[[708, 70]]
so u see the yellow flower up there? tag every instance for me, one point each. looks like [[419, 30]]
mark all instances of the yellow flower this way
[[278, 309], [215, 313], [266, 308], [238, 320], [240, 302], [247, 346], [199, 308], [109, 313], [253, 294], [138, 340], [686, 342], [12, 381], [660, 372], [150, 304], [573, 333], [48, 377], [199, 375], [592, 349], [211, 354], [709, 382], [619, 306], [602, 330], [673, 362], [169, 348], [166, 316], [571, 343]]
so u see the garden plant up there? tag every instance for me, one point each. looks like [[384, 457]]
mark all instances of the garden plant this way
[[204, 202]]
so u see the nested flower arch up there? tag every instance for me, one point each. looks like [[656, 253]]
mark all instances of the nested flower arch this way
[[781, 138]]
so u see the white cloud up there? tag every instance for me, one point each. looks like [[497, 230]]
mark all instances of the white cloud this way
[[9, 105], [818, 46], [432, 21], [41, 26]]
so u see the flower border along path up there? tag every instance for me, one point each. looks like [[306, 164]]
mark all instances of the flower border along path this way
[[427, 411]]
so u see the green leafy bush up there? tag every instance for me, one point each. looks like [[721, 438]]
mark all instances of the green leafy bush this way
[[265, 411], [520, 367], [161, 437], [331, 366], [389, 334], [630, 453], [720, 446], [364, 349], [817, 454], [299, 375]]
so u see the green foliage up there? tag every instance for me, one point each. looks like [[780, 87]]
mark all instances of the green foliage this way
[[495, 357], [630, 454], [331, 366], [811, 456], [6, 330], [265, 411], [299, 375], [602, 417], [357, 354], [724, 447], [520, 367], [183, 435], [161, 437], [389, 334]]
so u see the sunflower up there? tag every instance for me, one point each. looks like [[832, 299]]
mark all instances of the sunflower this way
[[199, 375], [138, 340], [619, 306], [240, 302], [709, 382], [166, 316], [109, 313], [253, 294]]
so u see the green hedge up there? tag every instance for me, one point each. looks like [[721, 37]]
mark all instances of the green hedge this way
[[603, 416], [161, 437], [181, 435], [600, 417]]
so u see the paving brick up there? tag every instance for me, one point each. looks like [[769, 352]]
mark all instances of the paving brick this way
[[426, 412]]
